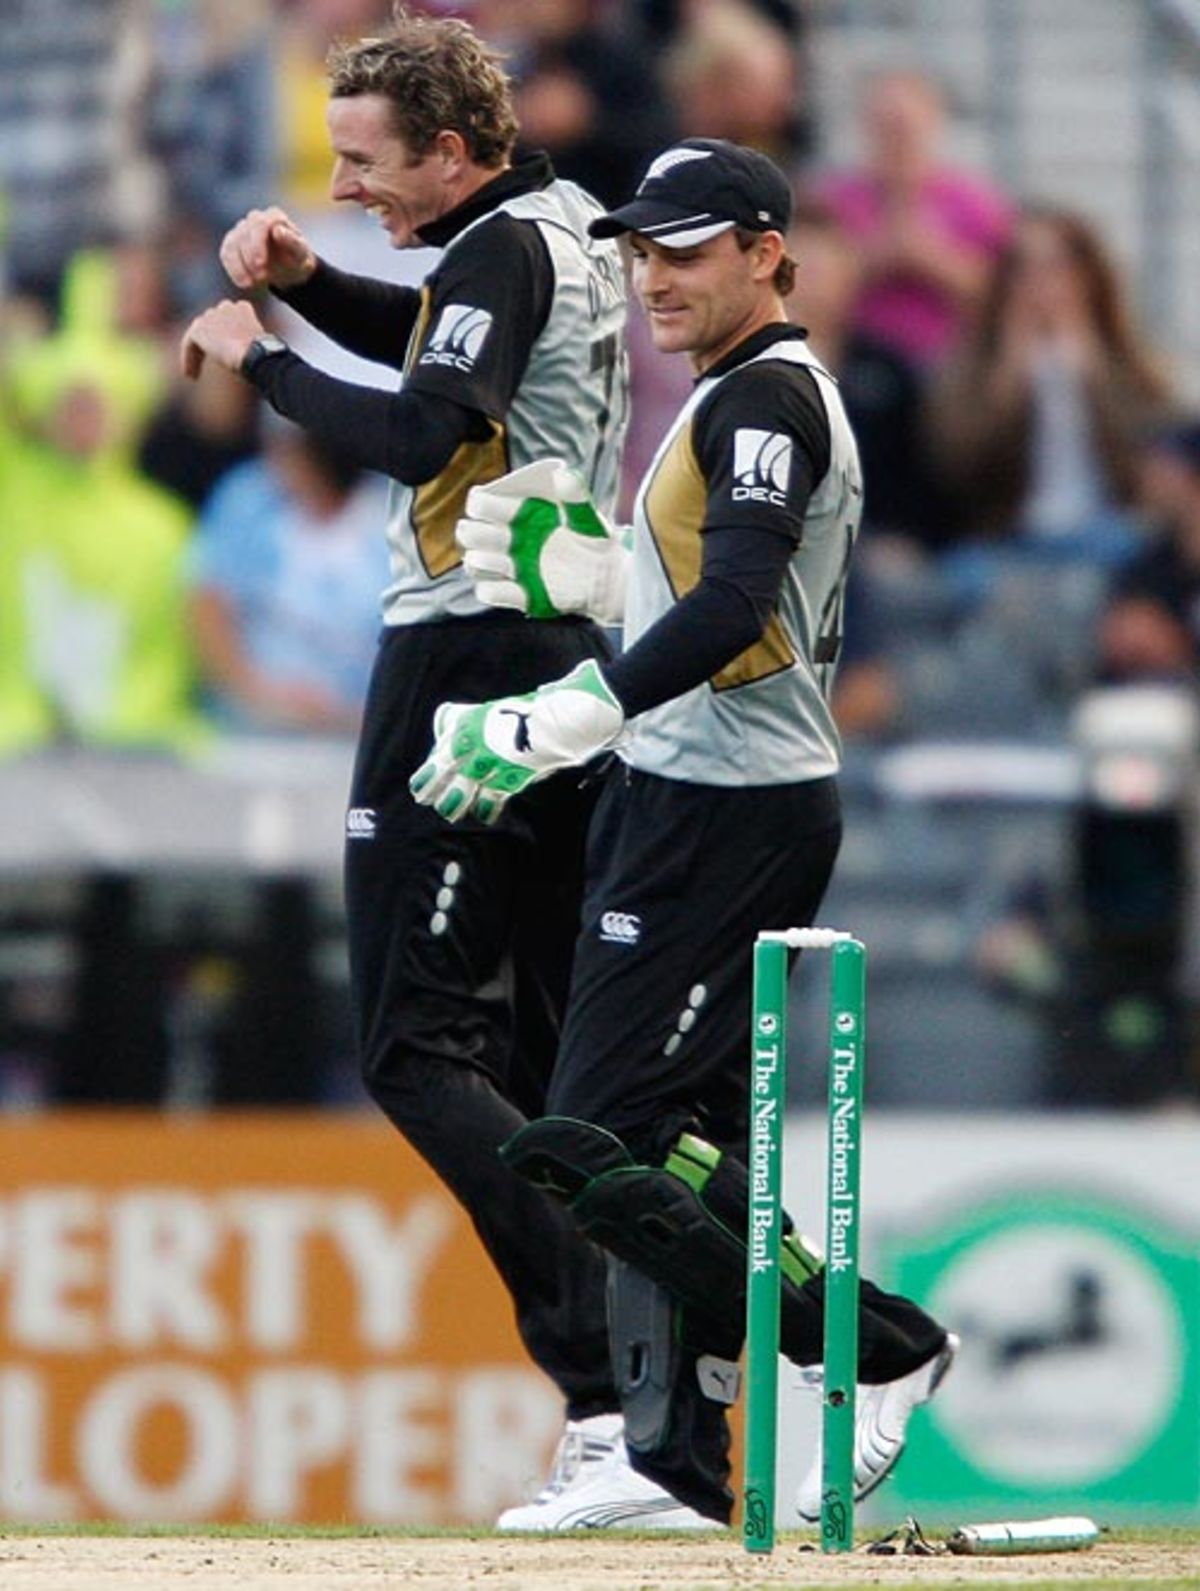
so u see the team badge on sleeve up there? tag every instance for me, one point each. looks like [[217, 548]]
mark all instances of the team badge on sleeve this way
[[458, 337], [762, 466]]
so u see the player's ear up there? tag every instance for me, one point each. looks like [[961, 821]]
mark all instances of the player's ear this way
[[769, 249], [451, 149]]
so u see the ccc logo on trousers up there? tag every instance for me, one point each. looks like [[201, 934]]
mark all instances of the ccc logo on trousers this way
[[620, 928]]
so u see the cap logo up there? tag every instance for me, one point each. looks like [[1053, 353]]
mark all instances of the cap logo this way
[[669, 160]]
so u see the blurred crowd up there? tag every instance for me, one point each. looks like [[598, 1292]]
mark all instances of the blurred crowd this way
[[173, 561]]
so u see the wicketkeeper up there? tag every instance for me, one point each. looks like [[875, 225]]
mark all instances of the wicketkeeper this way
[[718, 816]]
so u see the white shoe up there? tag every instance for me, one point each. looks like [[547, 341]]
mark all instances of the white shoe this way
[[593, 1486], [584, 1447], [880, 1417]]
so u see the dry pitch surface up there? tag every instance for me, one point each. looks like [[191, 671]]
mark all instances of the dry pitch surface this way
[[160, 1562]]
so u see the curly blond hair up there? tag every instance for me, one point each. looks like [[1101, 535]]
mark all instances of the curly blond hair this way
[[438, 75]]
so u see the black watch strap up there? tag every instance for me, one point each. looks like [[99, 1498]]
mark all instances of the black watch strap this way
[[265, 347]]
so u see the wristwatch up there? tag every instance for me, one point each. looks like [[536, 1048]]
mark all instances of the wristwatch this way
[[264, 347]]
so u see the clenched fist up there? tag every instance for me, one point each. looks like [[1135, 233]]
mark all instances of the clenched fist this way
[[267, 249], [222, 333]]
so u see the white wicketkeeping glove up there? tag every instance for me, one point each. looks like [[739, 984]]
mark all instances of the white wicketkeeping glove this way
[[484, 754], [535, 541]]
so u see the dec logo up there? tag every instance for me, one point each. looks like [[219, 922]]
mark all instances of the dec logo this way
[[762, 466], [458, 337]]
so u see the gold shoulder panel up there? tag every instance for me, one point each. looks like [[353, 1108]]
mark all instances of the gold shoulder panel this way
[[674, 505]]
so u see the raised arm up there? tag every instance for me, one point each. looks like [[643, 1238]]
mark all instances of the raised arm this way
[[410, 436], [266, 249], [367, 317]]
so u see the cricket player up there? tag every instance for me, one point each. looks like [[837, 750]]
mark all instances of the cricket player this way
[[718, 817], [513, 348]]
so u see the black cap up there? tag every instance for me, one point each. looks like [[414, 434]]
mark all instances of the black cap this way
[[699, 188]]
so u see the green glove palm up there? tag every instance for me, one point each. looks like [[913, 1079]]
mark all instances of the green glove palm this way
[[484, 754], [534, 540]]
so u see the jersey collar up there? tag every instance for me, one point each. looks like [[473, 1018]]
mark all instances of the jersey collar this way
[[778, 331], [527, 175]]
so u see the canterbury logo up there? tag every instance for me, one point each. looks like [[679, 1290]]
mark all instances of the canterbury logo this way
[[670, 159], [458, 337], [360, 823], [620, 928], [762, 466]]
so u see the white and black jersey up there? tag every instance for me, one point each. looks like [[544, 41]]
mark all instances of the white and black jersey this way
[[513, 349], [763, 445], [522, 322]]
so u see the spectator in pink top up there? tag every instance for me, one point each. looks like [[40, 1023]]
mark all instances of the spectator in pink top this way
[[928, 232]]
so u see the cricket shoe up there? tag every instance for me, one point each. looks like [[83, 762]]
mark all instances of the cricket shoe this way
[[593, 1486], [880, 1419], [584, 1447]]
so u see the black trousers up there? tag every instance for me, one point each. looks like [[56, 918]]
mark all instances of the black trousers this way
[[460, 943], [680, 879]]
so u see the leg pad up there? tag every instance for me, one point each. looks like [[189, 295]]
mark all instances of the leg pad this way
[[562, 1155], [645, 1353], [682, 1223]]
